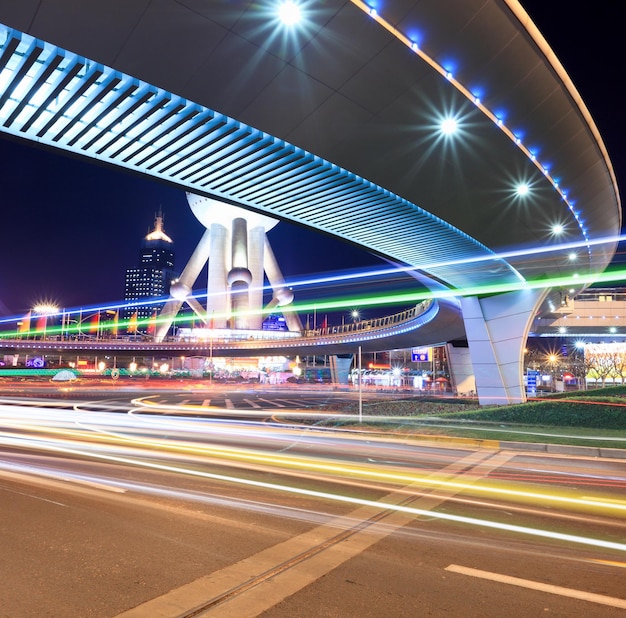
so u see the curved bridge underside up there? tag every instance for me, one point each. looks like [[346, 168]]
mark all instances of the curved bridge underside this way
[[334, 124], [444, 139]]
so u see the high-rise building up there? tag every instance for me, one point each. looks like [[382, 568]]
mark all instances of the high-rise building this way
[[152, 277]]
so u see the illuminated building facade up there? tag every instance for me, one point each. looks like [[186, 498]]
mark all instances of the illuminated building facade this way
[[155, 271]]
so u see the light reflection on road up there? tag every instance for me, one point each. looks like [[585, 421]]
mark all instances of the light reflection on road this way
[[245, 452]]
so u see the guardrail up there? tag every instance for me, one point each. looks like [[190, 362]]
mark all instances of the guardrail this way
[[373, 324], [224, 338]]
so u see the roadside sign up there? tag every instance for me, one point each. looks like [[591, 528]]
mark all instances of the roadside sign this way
[[420, 355]]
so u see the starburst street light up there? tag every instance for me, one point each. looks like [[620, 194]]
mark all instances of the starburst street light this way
[[45, 309], [448, 126], [289, 13]]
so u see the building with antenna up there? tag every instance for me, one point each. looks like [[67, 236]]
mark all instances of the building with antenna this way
[[153, 275]]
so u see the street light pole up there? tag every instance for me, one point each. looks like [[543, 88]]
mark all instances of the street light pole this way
[[360, 389]]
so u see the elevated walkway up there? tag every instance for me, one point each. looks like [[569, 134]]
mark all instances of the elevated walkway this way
[[426, 322]]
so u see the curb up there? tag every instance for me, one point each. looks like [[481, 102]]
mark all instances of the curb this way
[[565, 449]]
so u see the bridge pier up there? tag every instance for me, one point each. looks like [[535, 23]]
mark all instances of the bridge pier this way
[[340, 368], [462, 378], [497, 329]]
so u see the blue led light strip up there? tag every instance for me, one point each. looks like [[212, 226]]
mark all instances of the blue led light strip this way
[[373, 13]]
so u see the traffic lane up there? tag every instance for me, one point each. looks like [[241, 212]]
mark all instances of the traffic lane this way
[[597, 474], [282, 437], [478, 466], [390, 461], [79, 547], [497, 540], [406, 575], [281, 518], [98, 440], [344, 483]]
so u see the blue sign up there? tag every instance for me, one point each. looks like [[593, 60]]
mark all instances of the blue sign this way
[[531, 380], [420, 355]]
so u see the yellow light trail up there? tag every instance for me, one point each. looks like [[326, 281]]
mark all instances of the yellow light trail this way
[[524, 530], [343, 469]]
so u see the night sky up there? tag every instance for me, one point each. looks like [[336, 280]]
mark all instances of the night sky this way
[[71, 228]]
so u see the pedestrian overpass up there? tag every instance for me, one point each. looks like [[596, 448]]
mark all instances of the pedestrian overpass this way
[[452, 142]]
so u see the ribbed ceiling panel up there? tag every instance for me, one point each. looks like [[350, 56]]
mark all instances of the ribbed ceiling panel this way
[[63, 100]]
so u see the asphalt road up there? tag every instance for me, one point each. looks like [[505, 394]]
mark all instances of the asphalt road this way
[[159, 513]]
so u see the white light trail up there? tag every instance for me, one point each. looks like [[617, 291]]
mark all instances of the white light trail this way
[[524, 530]]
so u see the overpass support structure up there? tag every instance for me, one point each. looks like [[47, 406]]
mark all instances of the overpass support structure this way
[[461, 370], [497, 328], [340, 368]]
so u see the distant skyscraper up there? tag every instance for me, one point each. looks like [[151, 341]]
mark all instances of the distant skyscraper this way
[[154, 273]]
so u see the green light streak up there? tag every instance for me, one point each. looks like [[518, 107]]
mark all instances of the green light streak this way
[[408, 298]]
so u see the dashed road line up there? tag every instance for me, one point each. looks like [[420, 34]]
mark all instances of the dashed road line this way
[[571, 593]]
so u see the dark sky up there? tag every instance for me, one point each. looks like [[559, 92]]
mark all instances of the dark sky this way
[[71, 228]]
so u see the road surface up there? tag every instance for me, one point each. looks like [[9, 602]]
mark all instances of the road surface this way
[[113, 509]]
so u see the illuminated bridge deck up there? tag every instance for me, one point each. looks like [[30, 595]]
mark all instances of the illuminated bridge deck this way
[[424, 322]]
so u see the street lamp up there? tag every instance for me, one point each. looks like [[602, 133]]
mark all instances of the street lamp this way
[[45, 309], [553, 360]]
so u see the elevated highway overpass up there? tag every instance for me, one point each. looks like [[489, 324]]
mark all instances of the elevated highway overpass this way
[[449, 141], [428, 321]]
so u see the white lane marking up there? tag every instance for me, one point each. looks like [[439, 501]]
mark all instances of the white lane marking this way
[[572, 593], [205, 403], [273, 402], [229, 404], [252, 403]]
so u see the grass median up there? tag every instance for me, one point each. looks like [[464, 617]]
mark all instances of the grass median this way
[[582, 418]]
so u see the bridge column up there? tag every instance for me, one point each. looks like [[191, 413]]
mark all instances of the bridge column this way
[[461, 370], [497, 328], [340, 368], [256, 257], [239, 276]]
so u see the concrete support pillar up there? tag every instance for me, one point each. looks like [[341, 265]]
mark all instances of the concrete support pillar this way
[[256, 255], [340, 368], [497, 328], [239, 277], [217, 290], [461, 371], [181, 289]]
